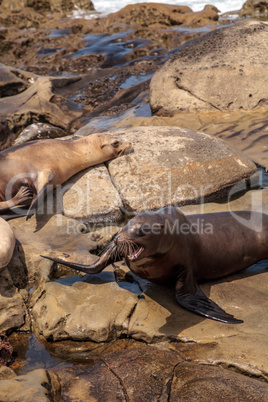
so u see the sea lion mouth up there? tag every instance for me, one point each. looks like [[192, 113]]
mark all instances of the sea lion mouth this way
[[129, 249], [135, 254]]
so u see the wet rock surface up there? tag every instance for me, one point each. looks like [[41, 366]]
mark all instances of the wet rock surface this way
[[225, 73], [113, 336]]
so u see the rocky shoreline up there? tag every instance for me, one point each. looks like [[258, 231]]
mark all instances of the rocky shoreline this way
[[189, 91]]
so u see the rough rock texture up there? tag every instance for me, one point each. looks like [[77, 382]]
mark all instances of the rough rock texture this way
[[137, 372], [254, 8], [13, 81], [98, 311], [47, 5], [6, 350], [175, 166], [149, 14], [38, 385], [223, 70], [203, 383], [6, 373], [91, 197], [12, 306], [40, 101], [246, 130]]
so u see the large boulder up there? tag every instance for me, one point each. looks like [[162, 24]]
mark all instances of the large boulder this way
[[175, 166], [225, 69]]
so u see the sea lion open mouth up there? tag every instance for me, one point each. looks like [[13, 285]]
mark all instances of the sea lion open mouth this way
[[129, 249], [135, 253]]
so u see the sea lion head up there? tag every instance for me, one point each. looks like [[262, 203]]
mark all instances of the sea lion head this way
[[144, 236], [113, 146]]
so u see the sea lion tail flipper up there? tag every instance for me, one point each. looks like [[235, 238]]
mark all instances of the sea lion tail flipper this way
[[106, 259], [199, 303]]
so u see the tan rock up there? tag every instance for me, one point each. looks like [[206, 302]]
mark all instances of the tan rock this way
[[175, 166], [12, 306], [38, 100], [97, 311], [54, 6], [198, 382], [225, 69], [254, 8], [38, 385]]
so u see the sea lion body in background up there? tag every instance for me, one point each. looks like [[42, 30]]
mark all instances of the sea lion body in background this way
[[7, 243], [167, 247], [29, 170]]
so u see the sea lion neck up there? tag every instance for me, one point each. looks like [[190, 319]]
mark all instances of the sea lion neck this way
[[85, 154]]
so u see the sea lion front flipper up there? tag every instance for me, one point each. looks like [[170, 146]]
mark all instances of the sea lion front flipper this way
[[199, 303]]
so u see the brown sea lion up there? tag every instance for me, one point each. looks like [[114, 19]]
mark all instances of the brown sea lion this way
[[29, 170], [7, 243], [166, 247]]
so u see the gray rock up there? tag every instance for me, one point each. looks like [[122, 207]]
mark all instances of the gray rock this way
[[225, 69], [38, 385], [175, 166], [90, 196], [38, 131]]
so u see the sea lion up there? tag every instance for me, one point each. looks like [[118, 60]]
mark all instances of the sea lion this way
[[29, 170], [166, 247], [7, 243]]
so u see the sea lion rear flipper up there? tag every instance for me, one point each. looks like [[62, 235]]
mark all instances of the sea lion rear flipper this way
[[106, 259], [199, 303], [43, 186]]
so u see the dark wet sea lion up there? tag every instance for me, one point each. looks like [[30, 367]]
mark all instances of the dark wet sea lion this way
[[166, 247], [29, 170]]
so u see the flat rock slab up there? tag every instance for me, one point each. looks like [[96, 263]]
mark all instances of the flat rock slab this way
[[223, 70], [175, 166], [90, 196], [38, 385], [98, 311], [155, 373]]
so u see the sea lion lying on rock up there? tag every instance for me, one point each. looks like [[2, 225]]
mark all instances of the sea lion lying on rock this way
[[167, 247], [29, 170]]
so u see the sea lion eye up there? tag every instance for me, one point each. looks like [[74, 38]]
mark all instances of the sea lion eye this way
[[115, 144]]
